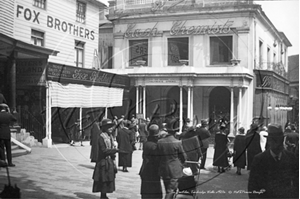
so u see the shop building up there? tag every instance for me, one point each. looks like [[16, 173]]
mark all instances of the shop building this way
[[38, 33], [209, 59]]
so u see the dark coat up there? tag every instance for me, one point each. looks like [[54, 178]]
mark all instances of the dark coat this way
[[253, 146], [104, 172], [142, 132], [125, 139], [172, 157], [203, 135], [221, 149], [150, 186], [5, 120], [191, 145], [239, 149], [95, 131], [278, 179]]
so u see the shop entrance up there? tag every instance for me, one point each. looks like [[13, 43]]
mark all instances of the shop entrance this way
[[219, 106], [173, 102]]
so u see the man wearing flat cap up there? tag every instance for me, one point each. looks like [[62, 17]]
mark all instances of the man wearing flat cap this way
[[275, 172], [172, 158]]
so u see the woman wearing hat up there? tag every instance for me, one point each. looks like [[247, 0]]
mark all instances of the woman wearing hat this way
[[105, 169], [239, 149], [220, 156]]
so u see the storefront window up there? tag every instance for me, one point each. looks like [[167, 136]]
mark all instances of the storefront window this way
[[178, 49], [220, 50], [40, 3], [79, 53], [138, 52], [80, 12], [37, 38]]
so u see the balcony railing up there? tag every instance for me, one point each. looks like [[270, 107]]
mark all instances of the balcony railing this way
[[277, 67]]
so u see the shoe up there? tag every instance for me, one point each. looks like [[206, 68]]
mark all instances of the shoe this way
[[203, 168], [11, 165]]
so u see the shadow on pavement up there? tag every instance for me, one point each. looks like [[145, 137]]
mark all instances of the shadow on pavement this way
[[86, 196], [86, 166]]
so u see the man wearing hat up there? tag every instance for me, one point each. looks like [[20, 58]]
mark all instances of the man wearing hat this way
[[275, 172], [105, 170], [203, 135], [150, 186], [172, 157]]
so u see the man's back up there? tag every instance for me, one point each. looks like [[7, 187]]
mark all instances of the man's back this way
[[5, 120]]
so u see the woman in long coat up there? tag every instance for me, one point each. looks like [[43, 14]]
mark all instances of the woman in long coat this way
[[253, 144], [95, 132], [124, 139], [105, 169], [220, 156], [239, 149], [151, 186]]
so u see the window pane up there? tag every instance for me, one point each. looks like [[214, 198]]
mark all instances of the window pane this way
[[37, 38], [79, 53], [80, 13], [138, 50], [178, 48], [220, 49]]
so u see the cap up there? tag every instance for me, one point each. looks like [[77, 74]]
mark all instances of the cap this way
[[107, 123], [154, 130], [275, 131], [242, 130], [204, 122]]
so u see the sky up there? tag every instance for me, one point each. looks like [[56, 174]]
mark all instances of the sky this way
[[284, 14]]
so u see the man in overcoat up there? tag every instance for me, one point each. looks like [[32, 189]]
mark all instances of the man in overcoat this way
[[172, 158], [275, 172], [203, 135], [5, 138], [151, 186]]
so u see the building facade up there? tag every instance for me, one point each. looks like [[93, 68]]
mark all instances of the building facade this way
[[198, 59], [38, 33]]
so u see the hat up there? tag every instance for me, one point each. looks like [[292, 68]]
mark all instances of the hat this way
[[107, 123], [188, 120], [275, 131], [204, 122], [172, 125], [242, 130], [154, 130]]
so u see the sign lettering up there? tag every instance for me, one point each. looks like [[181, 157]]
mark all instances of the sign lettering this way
[[55, 23]]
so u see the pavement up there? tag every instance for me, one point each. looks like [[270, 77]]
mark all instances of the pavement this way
[[66, 172]]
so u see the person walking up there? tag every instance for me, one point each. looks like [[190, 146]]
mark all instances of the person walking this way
[[252, 143], [275, 172], [124, 139], [220, 156], [150, 179], [172, 159], [203, 135], [105, 170], [142, 129], [5, 138], [239, 151]]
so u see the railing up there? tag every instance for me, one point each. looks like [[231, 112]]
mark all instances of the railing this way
[[32, 125], [277, 67]]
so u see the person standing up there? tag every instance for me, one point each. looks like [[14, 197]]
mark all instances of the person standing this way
[[124, 139], [239, 150], [5, 138], [151, 186], [252, 143], [142, 129], [105, 169], [203, 135], [275, 172], [95, 132], [172, 158], [220, 156]]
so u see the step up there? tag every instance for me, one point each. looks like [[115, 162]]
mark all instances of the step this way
[[18, 152]]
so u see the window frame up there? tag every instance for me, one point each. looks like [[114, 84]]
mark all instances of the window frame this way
[[130, 59], [42, 2], [79, 17], [221, 63], [37, 37], [180, 58], [77, 48]]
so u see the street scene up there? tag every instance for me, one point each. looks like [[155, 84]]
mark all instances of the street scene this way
[[149, 99]]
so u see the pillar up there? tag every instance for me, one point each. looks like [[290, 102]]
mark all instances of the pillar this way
[[192, 103], [137, 100], [189, 104], [240, 108], [144, 101], [180, 110], [13, 84], [231, 113], [47, 141]]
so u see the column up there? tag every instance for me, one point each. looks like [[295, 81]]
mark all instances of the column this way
[[137, 100], [180, 111], [144, 101], [231, 113], [13, 84], [47, 141], [192, 103], [240, 108], [189, 104]]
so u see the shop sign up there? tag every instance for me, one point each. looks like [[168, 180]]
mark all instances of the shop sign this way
[[70, 74], [30, 72], [179, 28], [161, 80], [55, 23]]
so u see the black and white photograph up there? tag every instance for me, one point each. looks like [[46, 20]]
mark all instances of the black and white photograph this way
[[149, 99]]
